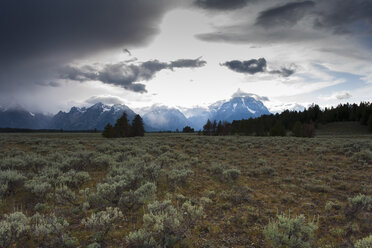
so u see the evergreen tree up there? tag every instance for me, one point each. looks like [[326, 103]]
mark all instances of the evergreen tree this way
[[219, 130], [188, 129], [137, 126], [207, 128], [298, 129], [122, 127], [277, 130], [370, 123], [108, 132]]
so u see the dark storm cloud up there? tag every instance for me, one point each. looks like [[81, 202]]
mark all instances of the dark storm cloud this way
[[347, 16], [40, 36], [299, 21], [53, 27], [126, 75], [254, 66], [221, 4], [104, 99], [285, 15]]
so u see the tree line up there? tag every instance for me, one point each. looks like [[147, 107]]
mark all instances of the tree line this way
[[122, 128], [301, 124]]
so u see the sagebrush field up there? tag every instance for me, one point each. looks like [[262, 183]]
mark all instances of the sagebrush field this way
[[185, 190]]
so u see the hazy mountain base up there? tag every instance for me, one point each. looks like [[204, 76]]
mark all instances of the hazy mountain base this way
[[241, 183]]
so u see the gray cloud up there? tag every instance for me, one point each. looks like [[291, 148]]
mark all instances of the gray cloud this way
[[221, 4], [285, 72], [254, 66], [126, 75], [39, 36], [240, 93], [343, 96], [285, 15], [299, 21], [347, 16], [104, 99]]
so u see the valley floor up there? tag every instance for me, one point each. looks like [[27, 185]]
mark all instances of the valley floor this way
[[180, 190]]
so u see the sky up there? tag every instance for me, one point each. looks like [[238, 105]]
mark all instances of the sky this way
[[183, 53]]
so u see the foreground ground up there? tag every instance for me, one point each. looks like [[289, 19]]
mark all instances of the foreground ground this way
[[222, 191]]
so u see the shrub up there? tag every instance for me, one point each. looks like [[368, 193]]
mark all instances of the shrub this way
[[73, 178], [357, 204], [14, 227], [38, 188], [141, 239], [230, 175], [364, 243], [64, 195], [216, 169], [167, 224], [290, 232], [145, 193], [178, 177], [9, 181], [103, 221], [49, 230]]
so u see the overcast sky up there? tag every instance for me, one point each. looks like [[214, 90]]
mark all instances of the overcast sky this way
[[58, 54]]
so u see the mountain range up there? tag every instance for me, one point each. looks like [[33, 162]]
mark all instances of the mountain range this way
[[156, 118]]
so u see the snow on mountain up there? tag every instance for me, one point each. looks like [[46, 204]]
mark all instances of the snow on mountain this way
[[96, 116], [238, 107]]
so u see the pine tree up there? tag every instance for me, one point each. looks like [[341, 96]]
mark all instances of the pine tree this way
[[370, 123], [108, 132], [207, 128], [298, 129], [122, 127], [137, 126], [219, 130]]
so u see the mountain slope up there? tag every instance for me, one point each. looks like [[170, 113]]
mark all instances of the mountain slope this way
[[18, 118], [96, 116], [237, 108], [162, 118]]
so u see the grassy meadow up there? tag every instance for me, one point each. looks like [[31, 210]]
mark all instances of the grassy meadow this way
[[185, 190]]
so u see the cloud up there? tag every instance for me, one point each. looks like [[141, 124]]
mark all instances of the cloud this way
[[126, 75], [348, 16], [285, 15], [312, 21], [285, 72], [343, 96], [240, 93], [40, 36], [254, 66], [109, 100], [221, 4]]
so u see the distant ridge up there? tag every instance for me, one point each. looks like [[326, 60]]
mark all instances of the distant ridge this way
[[156, 118]]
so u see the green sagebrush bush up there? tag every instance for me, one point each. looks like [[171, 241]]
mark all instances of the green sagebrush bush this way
[[9, 181], [143, 194], [290, 232], [141, 239], [49, 231], [358, 204], [165, 224], [14, 227], [230, 175], [64, 195], [102, 222], [178, 177], [364, 243]]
